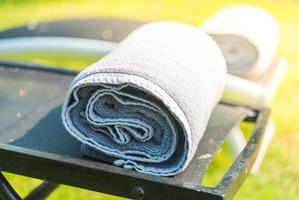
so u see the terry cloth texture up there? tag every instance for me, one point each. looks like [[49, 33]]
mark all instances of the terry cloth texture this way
[[248, 37], [146, 105]]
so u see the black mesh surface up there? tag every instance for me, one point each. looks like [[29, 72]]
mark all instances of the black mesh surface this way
[[30, 103], [103, 29]]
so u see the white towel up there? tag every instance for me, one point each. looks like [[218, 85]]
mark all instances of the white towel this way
[[248, 37]]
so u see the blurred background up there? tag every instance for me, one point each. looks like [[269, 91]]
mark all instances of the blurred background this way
[[278, 177]]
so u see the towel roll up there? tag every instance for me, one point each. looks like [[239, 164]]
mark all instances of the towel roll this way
[[248, 37], [146, 105]]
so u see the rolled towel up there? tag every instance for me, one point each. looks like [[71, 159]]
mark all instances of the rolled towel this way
[[248, 37], [145, 106]]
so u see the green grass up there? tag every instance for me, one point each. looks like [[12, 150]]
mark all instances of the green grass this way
[[279, 174]]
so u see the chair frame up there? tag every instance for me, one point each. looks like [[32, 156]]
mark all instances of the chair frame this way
[[121, 182]]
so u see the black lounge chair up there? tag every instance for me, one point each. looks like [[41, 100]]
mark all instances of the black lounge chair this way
[[34, 143]]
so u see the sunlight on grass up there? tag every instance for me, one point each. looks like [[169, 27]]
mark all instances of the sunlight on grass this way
[[224, 158], [62, 192], [67, 62], [220, 164]]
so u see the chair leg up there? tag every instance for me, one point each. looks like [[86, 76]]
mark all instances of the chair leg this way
[[42, 191], [6, 190], [269, 133], [236, 140]]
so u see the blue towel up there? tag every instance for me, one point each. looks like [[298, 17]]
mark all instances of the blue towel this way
[[146, 105]]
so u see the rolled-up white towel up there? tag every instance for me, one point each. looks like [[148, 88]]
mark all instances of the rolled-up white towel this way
[[145, 106], [248, 37]]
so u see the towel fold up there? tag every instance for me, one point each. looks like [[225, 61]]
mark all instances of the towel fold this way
[[145, 106], [248, 37]]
